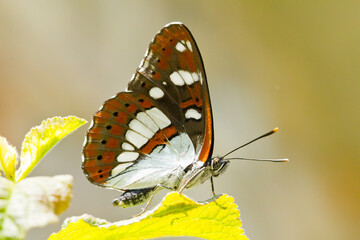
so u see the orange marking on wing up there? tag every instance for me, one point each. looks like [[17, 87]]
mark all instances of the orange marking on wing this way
[[90, 153], [161, 40], [196, 97], [187, 61], [95, 169], [97, 179], [112, 143], [93, 135], [204, 154], [108, 157], [187, 103], [146, 149], [124, 97], [168, 35], [90, 163], [91, 150], [117, 130], [159, 138], [122, 117], [99, 173], [163, 64], [112, 105], [196, 94], [146, 104], [91, 146], [101, 116], [167, 52], [162, 48], [95, 129], [156, 76], [132, 108]]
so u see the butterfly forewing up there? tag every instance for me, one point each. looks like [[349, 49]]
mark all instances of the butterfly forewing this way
[[173, 68], [140, 137]]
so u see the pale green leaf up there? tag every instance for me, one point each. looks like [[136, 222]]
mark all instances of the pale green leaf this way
[[177, 215], [8, 158], [33, 202], [41, 139]]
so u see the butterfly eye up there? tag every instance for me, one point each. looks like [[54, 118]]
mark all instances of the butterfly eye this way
[[153, 73], [141, 100], [108, 127], [99, 157], [126, 105], [115, 114], [103, 142], [143, 84]]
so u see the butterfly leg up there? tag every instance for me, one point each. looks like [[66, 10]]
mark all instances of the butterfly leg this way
[[156, 189], [191, 178], [212, 185], [146, 206]]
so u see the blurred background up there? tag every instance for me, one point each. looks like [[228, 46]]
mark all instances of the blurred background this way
[[287, 64]]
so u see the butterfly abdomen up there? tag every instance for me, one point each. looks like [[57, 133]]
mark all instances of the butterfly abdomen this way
[[133, 197]]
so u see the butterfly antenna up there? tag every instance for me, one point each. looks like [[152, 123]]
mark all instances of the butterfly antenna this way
[[262, 136], [260, 159]]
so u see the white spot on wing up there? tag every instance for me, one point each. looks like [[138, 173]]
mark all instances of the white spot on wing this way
[[156, 93], [135, 138], [187, 77], [192, 113], [137, 126], [188, 44], [146, 120], [201, 77], [180, 47], [195, 76], [161, 120], [176, 79], [119, 168], [127, 156], [127, 146]]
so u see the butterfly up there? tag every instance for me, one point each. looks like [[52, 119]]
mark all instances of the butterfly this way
[[158, 134]]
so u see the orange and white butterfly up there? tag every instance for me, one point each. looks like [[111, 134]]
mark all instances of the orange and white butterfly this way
[[157, 134]]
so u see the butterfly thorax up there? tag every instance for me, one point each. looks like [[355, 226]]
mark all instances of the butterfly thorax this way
[[212, 167]]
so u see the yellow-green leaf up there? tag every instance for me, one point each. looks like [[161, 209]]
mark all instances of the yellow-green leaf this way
[[8, 158], [177, 215], [41, 139]]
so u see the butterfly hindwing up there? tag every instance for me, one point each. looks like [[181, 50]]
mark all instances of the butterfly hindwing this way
[[126, 128]]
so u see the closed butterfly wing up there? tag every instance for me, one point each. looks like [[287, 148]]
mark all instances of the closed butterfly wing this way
[[147, 135]]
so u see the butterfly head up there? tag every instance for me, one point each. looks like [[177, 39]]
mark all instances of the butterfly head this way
[[218, 165]]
